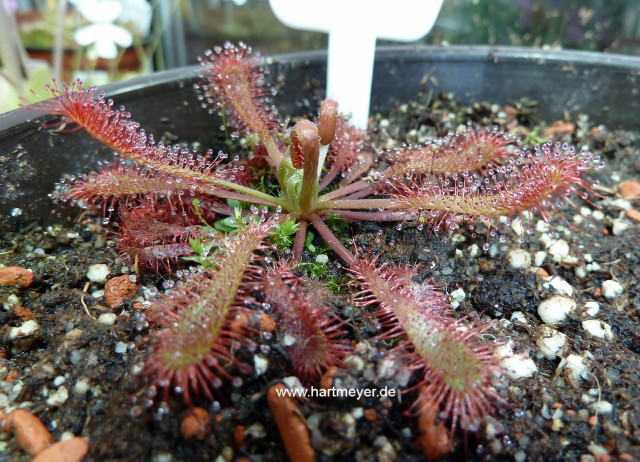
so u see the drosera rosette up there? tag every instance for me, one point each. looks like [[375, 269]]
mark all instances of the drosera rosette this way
[[313, 337], [307, 174], [317, 169], [454, 368], [192, 353]]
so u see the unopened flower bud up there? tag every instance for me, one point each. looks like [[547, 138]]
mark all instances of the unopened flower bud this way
[[304, 142], [328, 121]]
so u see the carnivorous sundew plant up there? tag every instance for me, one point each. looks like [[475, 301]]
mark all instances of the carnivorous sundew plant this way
[[167, 199]]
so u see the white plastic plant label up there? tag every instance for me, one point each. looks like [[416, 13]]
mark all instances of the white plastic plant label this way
[[353, 27]]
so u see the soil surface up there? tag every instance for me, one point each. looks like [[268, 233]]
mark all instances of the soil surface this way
[[77, 368]]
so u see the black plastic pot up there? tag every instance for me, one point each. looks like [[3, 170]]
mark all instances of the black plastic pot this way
[[607, 87]]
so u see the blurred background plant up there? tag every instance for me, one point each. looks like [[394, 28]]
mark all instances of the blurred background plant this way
[[106, 40], [18, 73], [594, 25], [98, 41]]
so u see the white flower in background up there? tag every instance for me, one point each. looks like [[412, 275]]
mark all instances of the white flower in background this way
[[101, 33], [137, 15]]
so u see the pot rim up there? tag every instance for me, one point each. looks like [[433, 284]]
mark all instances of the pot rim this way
[[461, 53]]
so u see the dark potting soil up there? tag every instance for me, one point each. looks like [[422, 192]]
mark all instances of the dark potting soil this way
[[79, 370]]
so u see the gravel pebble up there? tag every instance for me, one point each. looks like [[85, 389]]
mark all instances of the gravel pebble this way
[[255, 430], [25, 329], [630, 189], [551, 342], [15, 276], [30, 433], [119, 289], [595, 266], [598, 328], [98, 272], [619, 227], [58, 397], [555, 310], [11, 301], [195, 424], [612, 289], [81, 387], [121, 348], [620, 204], [515, 366], [542, 227], [260, 364], [73, 334], [518, 259], [587, 399], [518, 227], [108, 319], [597, 449], [592, 308], [633, 214], [98, 293], [559, 250], [72, 450], [602, 407], [520, 456], [576, 366], [539, 257], [458, 297], [561, 286], [518, 316], [162, 457]]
